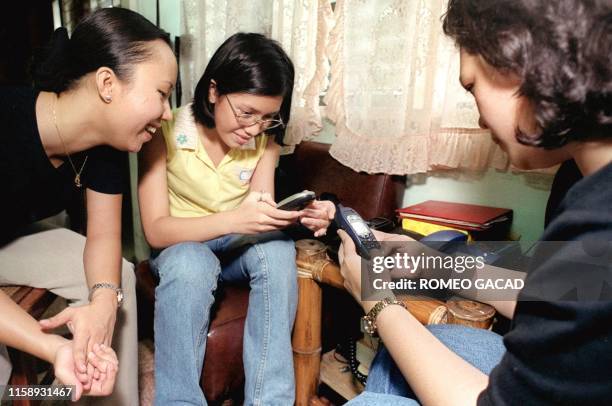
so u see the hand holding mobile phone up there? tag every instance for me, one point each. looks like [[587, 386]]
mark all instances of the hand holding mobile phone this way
[[350, 221]]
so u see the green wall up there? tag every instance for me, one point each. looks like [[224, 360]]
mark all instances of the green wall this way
[[526, 194]]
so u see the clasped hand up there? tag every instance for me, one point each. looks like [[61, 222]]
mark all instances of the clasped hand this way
[[102, 368], [94, 364]]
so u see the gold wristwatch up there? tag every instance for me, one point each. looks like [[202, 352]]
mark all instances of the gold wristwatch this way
[[117, 289], [368, 322]]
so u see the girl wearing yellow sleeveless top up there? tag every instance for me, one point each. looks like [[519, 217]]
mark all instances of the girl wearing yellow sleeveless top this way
[[207, 178]]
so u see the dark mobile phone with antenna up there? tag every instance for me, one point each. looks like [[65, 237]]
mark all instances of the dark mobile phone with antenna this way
[[351, 222]]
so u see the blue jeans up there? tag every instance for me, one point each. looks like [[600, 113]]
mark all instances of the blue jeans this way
[[189, 273], [387, 386]]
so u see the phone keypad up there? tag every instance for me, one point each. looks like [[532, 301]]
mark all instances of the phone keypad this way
[[371, 244]]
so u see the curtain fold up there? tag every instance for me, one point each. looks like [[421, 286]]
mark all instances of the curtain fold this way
[[394, 94]]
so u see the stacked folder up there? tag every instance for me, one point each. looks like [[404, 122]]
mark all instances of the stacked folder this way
[[479, 221]]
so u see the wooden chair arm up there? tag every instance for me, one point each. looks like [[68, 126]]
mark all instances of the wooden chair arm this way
[[323, 271]]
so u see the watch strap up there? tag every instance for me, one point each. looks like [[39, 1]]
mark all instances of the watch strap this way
[[106, 285], [369, 320]]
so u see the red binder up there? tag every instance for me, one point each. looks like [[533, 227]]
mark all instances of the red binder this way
[[462, 215]]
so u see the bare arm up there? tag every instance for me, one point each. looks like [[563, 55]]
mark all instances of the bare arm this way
[[102, 255], [19, 330], [436, 374], [263, 177], [162, 230], [94, 323]]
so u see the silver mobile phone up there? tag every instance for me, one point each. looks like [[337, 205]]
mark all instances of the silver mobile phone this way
[[297, 201]]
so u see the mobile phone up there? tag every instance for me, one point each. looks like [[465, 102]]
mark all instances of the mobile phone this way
[[350, 221], [297, 201]]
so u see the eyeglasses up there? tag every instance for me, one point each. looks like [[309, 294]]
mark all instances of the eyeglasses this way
[[248, 119]]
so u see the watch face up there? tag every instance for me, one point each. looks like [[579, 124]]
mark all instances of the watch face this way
[[366, 326]]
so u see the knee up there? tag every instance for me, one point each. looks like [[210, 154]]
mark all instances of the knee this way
[[284, 247], [277, 258], [278, 252], [193, 266]]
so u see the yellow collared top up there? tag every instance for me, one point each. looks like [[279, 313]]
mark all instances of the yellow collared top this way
[[195, 186]]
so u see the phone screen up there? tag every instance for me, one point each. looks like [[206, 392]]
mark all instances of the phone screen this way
[[359, 226]]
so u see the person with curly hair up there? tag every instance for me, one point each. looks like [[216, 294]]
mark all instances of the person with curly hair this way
[[541, 75]]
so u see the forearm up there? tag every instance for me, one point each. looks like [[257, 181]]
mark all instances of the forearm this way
[[19, 330], [168, 230], [102, 260], [102, 254], [436, 374]]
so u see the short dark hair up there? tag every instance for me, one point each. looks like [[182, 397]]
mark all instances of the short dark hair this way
[[246, 63], [113, 37], [562, 52]]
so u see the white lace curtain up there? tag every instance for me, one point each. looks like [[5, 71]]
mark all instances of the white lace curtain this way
[[301, 27], [393, 95]]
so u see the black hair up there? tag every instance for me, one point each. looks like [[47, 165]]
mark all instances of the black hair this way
[[113, 37], [562, 52], [246, 63]]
